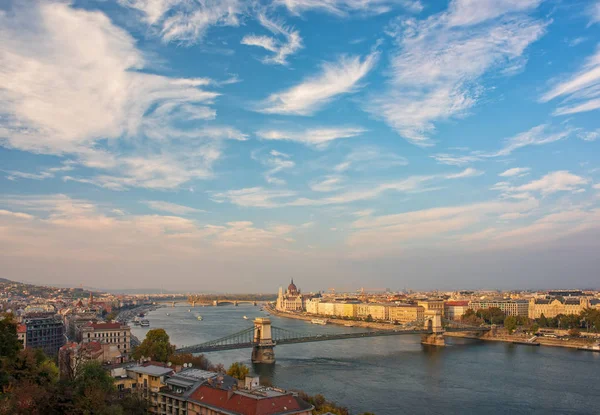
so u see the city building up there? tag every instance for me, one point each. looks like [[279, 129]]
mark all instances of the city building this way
[[149, 379], [291, 300], [406, 313], [46, 333], [454, 310], [22, 334], [551, 307], [376, 311], [509, 307], [116, 334], [173, 397], [432, 305], [212, 399]]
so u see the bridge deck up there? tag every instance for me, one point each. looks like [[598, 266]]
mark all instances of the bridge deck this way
[[318, 338]]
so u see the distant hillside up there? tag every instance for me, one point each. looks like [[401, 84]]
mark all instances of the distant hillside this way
[[4, 280]]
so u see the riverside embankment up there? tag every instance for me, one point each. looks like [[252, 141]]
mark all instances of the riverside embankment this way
[[499, 335]]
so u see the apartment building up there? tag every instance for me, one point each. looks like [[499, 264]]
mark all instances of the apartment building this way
[[46, 333], [454, 310], [406, 313], [509, 307], [108, 333]]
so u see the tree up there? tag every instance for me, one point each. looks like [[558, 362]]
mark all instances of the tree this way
[[9, 341], [94, 390], [574, 332], [155, 346], [510, 324], [369, 318], [543, 321], [238, 370]]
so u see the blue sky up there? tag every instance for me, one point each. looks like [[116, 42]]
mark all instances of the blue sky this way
[[230, 145]]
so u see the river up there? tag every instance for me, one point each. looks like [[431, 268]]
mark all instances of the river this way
[[397, 375]]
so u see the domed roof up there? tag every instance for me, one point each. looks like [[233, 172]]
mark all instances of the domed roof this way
[[292, 287]]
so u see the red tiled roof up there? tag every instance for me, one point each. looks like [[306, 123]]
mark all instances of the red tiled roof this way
[[21, 328], [245, 405], [457, 303]]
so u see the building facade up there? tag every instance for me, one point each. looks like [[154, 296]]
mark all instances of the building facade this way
[[551, 307], [406, 313], [454, 310], [509, 307], [46, 333], [291, 300], [432, 305], [116, 334]]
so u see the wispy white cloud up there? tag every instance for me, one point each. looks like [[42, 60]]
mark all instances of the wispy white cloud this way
[[276, 162], [345, 7], [380, 235], [171, 207], [281, 49], [594, 12], [558, 181], [329, 184], [536, 136], [254, 197], [468, 172], [581, 90], [319, 138], [471, 12], [70, 98], [186, 21], [436, 71], [515, 172], [335, 78], [369, 158]]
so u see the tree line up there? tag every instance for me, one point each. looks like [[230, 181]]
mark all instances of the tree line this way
[[588, 320]]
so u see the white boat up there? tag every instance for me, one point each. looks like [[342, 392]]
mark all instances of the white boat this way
[[189, 310], [245, 317], [320, 321], [200, 318], [145, 323], [349, 325], [168, 314]]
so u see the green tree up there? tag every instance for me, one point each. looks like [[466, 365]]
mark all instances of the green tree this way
[[510, 324], [94, 390], [9, 341], [543, 321], [155, 346], [369, 318], [238, 370]]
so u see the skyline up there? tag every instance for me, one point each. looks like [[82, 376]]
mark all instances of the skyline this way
[[222, 144]]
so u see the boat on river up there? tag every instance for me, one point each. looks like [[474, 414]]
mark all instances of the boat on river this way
[[245, 317], [321, 321], [145, 323], [200, 318]]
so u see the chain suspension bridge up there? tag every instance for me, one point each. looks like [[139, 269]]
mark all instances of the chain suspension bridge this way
[[263, 337]]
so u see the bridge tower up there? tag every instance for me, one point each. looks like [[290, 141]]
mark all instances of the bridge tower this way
[[216, 303], [263, 351], [433, 324]]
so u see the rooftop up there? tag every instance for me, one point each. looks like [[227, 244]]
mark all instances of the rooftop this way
[[249, 402], [151, 370]]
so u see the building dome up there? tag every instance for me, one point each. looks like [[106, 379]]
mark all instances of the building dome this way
[[292, 289]]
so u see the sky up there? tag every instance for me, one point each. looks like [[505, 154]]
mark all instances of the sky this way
[[228, 146]]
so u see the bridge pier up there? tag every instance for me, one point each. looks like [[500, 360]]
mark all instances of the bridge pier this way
[[263, 351], [433, 340], [433, 324]]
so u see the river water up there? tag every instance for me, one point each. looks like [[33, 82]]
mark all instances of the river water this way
[[397, 375]]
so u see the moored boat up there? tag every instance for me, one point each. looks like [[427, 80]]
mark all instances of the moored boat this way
[[145, 323], [320, 321]]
